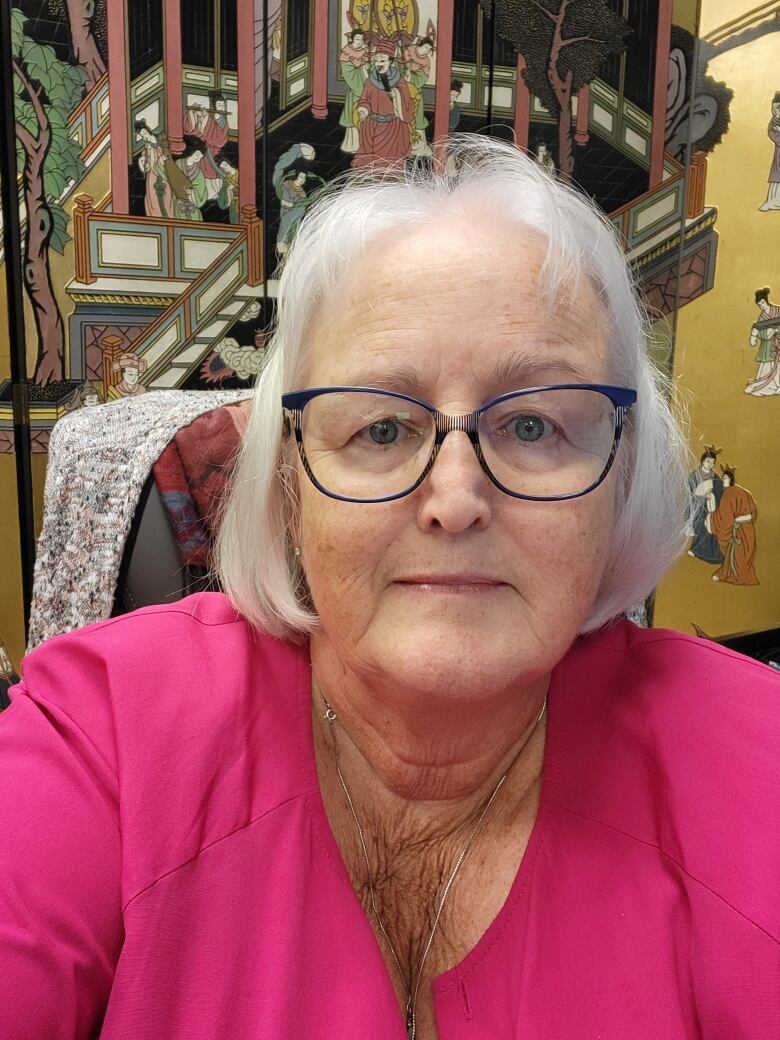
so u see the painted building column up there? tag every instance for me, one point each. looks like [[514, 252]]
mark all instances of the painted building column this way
[[581, 135], [118, 106], [662, 46], [173, 75], [247, 187], [319, 61], [441, 111], [522, 105]]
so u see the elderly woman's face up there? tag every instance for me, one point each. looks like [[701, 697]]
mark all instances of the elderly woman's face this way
[[510, 582]]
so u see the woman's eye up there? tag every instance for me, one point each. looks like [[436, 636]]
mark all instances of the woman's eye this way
[[384, 432], [530, 428]]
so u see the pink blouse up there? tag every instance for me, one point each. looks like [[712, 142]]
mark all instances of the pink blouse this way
[[167, 871]]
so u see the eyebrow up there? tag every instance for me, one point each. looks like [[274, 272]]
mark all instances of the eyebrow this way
[[517, 370], [519, 366]]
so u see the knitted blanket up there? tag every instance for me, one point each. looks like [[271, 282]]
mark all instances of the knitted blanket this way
[[99, 461]]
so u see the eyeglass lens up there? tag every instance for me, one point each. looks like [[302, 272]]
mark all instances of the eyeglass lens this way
[[548, 444]]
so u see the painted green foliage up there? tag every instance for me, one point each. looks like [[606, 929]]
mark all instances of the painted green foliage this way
[[47, 90]]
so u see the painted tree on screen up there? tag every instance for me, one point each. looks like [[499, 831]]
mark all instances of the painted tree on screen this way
[[563, 42], [46, 91], [81, 14]]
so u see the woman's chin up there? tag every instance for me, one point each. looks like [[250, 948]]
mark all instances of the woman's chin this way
[[449, 660]]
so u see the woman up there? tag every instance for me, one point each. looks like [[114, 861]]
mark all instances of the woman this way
[[190, 190], [151, 163], [413, 777]]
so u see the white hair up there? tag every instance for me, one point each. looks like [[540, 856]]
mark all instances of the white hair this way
[[255, 562]]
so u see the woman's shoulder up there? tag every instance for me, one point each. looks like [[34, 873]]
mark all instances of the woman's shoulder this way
[[196, 664], [672, 740], [201, 637], [187, 699], [682, 698], [661, 662]]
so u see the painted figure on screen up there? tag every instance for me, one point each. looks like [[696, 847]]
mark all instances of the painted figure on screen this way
[[158, 198], [353, 64], [132, 368], [456, 86], [228, 197], [86, 395], [296, 187], [416, 63], [706, 487], [385, 112], [191, 190], [210, 127], [734, 525], [545, 159], [773, 194], [765, 335]]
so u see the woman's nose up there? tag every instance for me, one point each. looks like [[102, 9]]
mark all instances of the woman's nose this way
[[457, 493]]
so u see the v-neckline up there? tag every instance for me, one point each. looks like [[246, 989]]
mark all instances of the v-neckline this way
[[495, 930]]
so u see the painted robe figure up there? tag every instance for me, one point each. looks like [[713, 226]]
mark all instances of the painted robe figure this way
[[228, 197], [706, 488], [385, 111], [545, 159], [767, 338], [290, 177], [210, 126], [158, 198], [190, 196], [733, 524], [353, 64], [773, 195], [417, 69]]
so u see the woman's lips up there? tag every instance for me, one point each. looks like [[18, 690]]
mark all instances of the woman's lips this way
[[451, 583]]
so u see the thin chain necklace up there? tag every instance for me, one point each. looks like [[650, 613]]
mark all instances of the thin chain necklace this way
[[412, 991]]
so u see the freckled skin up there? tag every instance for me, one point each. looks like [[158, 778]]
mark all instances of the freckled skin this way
[[450, 301]]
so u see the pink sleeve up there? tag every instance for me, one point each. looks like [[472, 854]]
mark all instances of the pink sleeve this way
[[60, 850]]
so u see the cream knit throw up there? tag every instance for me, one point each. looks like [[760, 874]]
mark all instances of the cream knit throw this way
[[99, 460]]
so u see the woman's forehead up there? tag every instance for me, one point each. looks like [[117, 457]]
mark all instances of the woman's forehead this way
[[470, 313], [464, 270]]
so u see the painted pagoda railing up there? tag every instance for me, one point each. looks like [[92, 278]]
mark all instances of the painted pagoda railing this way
[[202, 264], [663, 207]]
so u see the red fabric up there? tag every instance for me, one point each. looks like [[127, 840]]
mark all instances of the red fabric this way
[[737, 541], [191, 475], [213, 134]]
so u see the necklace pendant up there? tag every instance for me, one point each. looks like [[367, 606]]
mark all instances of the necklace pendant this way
[[410, 1030]]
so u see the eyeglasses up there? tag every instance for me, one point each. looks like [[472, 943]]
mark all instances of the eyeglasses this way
[[546, 443]]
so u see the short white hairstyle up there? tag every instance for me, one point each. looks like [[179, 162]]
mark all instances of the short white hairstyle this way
[[254, 556]]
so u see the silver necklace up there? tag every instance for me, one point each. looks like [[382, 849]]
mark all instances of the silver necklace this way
[[412, 991]]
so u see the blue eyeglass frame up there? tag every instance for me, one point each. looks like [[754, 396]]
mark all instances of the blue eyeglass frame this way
[[293, 403]]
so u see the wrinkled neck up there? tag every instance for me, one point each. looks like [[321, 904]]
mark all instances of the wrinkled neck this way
[[432, 761]]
